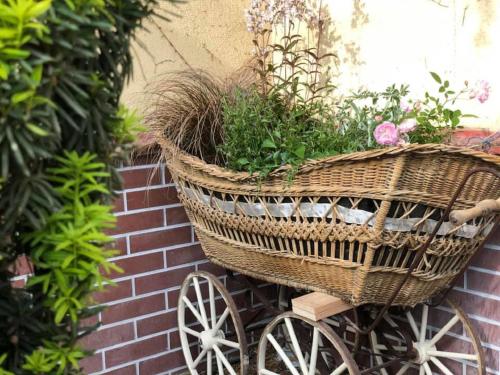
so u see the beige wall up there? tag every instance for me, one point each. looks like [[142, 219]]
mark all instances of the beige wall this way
[[378, 42]]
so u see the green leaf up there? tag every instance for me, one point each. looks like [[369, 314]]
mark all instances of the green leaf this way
[[300, 151], [37, 130], [243, 161], [268, 143], [436, 77], [36, 76], [22, 96], [39, 8], [4, 70], [14, 53]]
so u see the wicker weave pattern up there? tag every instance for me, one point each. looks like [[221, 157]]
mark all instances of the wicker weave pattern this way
[[348, 225]]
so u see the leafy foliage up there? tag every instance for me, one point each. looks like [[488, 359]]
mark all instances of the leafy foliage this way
[[63, 66], [261, 133], [264, 132]]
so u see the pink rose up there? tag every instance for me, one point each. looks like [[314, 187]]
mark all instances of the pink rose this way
[[386, 134], [481, 91], [403, 104], [407, 125], [379, 118]]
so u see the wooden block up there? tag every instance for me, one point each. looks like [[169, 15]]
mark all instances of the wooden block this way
[[317, 306]]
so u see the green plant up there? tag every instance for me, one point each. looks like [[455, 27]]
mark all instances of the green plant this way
[[187, 109], [63, 66], [261, 133], [435, 117]]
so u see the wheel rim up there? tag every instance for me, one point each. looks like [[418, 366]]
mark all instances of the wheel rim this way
[[429, 341], [302, 354], [209, 327]]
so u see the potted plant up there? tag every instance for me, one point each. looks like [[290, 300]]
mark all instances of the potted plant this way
[[287, 183]]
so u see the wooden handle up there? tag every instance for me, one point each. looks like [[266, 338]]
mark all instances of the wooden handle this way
[[483, 208]]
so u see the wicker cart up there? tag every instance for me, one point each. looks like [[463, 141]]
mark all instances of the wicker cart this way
[[371, 228]]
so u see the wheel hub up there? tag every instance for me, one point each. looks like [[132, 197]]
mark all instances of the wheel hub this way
[[422, 350], [209, 338]]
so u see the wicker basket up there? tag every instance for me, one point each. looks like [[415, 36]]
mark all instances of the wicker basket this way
[[347, 225]]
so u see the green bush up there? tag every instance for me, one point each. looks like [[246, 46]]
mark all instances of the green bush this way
[[63, 66]]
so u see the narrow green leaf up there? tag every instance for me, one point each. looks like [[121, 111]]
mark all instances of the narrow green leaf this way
[[436, 77], [37, 130]]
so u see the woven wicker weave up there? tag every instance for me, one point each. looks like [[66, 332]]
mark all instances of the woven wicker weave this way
[[347, 225]]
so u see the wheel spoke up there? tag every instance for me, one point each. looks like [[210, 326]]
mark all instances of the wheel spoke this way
[[314, 351], [209, 362], [199, 297], [452, 355], [413, 325], [339, 369], [191, 332], [282, 354], [444, 330], [195, 312], [211, 294], [224, 360], [231, 344], [220, 369], [267, 372], [441, 366], [423, 327], [222, 319], [427, 369], [296, 347], [403, 369], [199, 358]]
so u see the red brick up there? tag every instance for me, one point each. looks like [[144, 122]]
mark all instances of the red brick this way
[[128, 370], [214, 269], [151, 198], [120, 244], [131, 309], [488, 259], [136, 178], [139, 221], [91, 364], [121, 290], [139, 264], [487, 332], [473, 304], [161, 280], [483, 282], [162, 363], [183, 255], [176, 215], [494, 237], [161, 238], [118, 203], [108, 337], [158, 323], [168, 176], [136, 350]]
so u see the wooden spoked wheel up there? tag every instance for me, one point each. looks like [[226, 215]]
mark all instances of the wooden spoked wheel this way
[[210, 328], [443, 342], [291, 344]]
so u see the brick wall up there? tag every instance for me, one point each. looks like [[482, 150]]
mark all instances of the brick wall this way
[[158, 249]]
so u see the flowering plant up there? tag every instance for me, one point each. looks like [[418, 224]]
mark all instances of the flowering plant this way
[[287, 118], [288, 60], [286, 113], [431, 120]]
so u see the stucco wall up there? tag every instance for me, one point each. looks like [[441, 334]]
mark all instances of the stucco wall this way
[[378, 42]]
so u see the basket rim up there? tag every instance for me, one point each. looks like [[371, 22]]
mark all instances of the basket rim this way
[[215, 170]]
